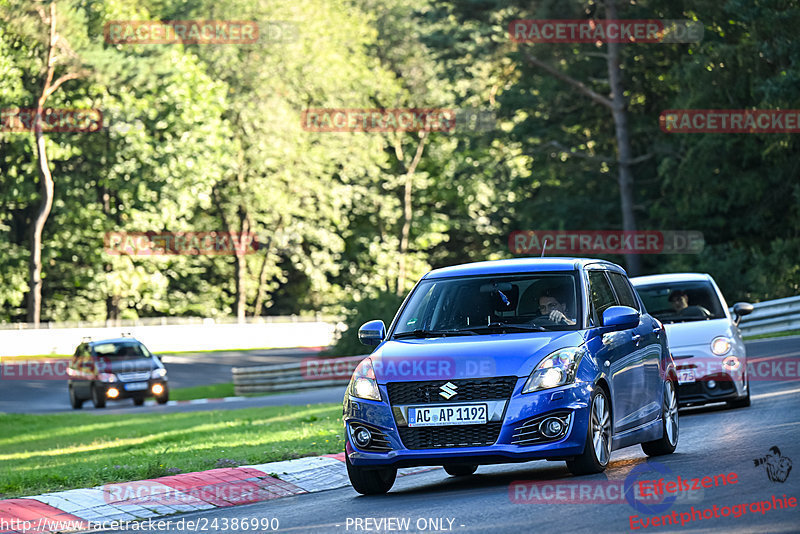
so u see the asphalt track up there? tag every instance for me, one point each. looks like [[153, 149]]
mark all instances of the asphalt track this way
[[713, 441]]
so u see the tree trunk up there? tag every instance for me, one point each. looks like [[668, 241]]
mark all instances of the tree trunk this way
[[46, 188], [407, 210], [624, 153]]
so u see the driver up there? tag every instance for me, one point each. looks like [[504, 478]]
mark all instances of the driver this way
[[679, 300], [554, 308]]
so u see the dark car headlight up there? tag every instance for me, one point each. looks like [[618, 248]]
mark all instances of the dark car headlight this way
[[555, 370], [158, 373], [363, 384]]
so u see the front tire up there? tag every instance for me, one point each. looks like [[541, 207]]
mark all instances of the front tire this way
[[98, 399], [460, 470], [163, 399], [138, 401], [74, 401], [370, 481], [669, 422], [597, 451]]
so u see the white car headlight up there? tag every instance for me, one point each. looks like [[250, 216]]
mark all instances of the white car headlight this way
[[363, 384], [721, 345], [557, 369], [158, 373], [107, 377]]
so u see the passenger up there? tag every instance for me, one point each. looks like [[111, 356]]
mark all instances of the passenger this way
[[679, 301]]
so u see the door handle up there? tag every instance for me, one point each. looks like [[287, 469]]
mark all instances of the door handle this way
[[657, 331], [636, 338]]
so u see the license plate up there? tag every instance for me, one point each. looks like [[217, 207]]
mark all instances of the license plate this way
[[136, 386], [686, 376], [464, 414]]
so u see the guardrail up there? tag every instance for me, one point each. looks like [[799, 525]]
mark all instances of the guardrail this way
[[772, 317], [305, 374], [171, 321]]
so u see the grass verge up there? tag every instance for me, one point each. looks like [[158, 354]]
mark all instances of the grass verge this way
[[214, 391], [41, 453], [768, 336]]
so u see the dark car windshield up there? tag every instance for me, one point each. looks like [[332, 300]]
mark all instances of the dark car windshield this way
[[488, 304], [681, 301], [121, 350]]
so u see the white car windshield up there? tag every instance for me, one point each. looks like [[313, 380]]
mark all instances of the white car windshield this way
[[678, 302]]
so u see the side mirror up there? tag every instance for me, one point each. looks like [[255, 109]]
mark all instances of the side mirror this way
[[621, 317], [740, 309], [372, 333]]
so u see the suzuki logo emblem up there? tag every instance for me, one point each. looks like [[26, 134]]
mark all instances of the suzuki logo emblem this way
[[448, 390]]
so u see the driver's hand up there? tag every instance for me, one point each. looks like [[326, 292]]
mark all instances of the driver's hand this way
[[557, 317]]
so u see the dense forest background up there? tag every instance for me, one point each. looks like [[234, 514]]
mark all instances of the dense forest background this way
[[207, 137]]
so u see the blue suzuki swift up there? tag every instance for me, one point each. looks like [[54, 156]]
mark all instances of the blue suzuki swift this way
[[510, 361]]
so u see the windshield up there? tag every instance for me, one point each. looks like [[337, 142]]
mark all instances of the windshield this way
[[479, 304], [682, 301], [121, 350]]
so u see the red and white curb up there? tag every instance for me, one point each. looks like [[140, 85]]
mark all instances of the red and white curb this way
[[83, 509]]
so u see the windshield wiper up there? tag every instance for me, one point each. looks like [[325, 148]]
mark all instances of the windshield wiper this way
[[431, 333], [509, 327]]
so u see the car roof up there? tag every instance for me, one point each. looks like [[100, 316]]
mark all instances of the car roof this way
[[114, 340], [670, 278], [519, 265]]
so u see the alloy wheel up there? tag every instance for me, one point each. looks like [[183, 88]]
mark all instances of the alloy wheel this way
[[601, 429]]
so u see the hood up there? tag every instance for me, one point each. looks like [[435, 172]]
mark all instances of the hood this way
[[129, 365], [697, 332], [483, 356]]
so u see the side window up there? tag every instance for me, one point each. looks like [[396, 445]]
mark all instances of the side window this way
[[600, 294], [624, 291]]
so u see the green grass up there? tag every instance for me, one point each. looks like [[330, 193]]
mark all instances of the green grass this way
[[214, 391], [41, 453], [767, 336]]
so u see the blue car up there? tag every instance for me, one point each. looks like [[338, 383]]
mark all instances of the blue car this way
[[511, 361]]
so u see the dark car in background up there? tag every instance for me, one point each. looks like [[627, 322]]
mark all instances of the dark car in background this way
[[115, 369]]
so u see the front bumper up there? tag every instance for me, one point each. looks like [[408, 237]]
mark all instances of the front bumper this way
[[515, 412], [716, 378], [123, 393]]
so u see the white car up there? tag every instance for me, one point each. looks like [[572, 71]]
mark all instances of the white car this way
[[703, 337]]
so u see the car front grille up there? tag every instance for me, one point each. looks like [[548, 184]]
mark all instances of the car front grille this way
[[134, 377], [473, 389], [450, 436]]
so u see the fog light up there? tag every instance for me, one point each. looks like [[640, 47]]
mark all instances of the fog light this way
[[157, 389], [362, 437], [551, 427], [712, 384], [112, 393]]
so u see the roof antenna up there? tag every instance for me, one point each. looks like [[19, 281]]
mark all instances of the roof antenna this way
[[544, 248]]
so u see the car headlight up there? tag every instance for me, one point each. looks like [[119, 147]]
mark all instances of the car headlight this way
[[363, 384], [158, 373], [721, 345], [107, 377], [555, 370]]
